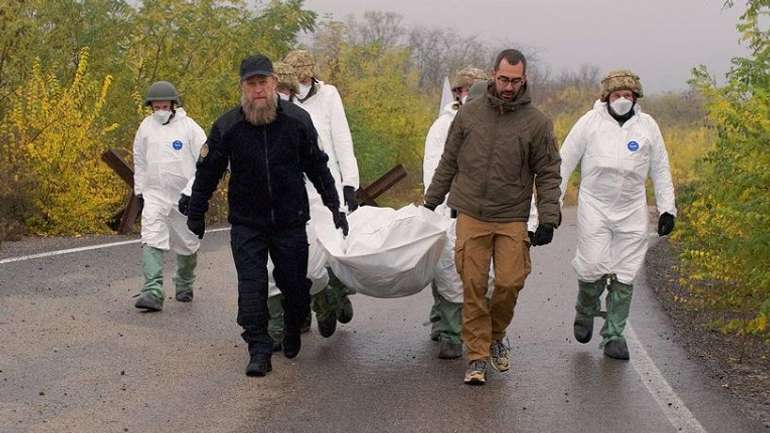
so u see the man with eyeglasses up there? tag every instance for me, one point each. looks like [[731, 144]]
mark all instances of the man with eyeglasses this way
[[499, 147], [270, 145]]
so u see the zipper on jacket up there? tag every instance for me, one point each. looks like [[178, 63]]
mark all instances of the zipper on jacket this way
[[489, 162], [267, 171]]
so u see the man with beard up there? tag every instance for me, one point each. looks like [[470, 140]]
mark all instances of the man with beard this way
[[269, 145]]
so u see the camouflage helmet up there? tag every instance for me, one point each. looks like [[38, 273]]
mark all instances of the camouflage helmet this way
[[303, 62], [286, 76], [622, 79], [466, 76], [161, 91], [477, 90]]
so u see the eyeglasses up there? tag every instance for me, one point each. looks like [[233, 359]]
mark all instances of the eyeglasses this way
[[505, 81]]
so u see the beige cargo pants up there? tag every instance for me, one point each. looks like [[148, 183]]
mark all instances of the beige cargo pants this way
[[478, 242]]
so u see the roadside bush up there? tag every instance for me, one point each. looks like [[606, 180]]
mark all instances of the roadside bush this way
[[725, 224]]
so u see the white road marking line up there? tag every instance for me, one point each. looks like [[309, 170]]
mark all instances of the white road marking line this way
[[81, 249], [672, 406]]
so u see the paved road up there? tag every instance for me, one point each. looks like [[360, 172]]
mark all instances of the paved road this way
[[75, 356]]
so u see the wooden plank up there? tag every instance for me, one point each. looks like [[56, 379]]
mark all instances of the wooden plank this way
[[130, 215], [368, 194], [130, 211], [119, 166]]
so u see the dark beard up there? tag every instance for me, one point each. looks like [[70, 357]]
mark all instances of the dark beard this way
[[259, 115]]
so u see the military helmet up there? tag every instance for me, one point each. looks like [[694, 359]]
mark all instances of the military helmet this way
[[466, 76], [161, 91], [303, 62], [622, 79], [286, 76]]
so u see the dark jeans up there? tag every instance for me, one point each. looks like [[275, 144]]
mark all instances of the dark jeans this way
[[289, 250]]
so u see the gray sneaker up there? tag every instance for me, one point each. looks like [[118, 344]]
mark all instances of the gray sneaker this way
[[476, 374], [500, 356]]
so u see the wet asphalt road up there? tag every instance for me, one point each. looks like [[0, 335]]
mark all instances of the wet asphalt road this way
[[75, 356]]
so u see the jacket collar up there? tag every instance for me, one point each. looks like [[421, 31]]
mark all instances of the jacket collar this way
[[522, 98]]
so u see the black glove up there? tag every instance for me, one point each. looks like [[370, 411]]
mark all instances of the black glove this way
[[665, 224], [340, 221], [197, 226], [531, 237], [184, 204], [430, 207], [140, 198], [350, 197], [543, 235]]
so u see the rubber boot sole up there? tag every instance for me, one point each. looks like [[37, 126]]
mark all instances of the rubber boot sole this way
[[184, 296], [617, 349], [149, 303]]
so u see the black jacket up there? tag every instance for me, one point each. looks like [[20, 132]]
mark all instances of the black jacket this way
[[267, 162]]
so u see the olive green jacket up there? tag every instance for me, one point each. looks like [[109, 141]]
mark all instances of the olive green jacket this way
[[495, 153]]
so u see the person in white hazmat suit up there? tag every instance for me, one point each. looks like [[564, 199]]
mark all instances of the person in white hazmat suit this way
[[287, 88], [166, 148], [446, 312], [618, 147], [323, 102]]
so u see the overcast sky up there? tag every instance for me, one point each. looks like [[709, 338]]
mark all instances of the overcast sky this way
[[661, 40]]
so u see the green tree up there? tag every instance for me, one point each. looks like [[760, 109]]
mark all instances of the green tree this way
[[388, 115], [725, 228]]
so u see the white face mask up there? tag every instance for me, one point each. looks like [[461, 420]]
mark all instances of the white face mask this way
[[161, 116], [621, 106], [304, 89], [283, 96]]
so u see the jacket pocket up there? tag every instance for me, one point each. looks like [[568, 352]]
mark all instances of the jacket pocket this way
[[512, 161]]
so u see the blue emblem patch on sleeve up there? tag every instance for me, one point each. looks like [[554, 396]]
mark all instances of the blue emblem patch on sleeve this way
[[177, 145]]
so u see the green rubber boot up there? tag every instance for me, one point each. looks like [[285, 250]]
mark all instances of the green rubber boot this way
[[151, 296], [449, 326], [618, 308], [587, 307], [275, 323], [344, 306], [437, 326], [325, 304], [185, 276]]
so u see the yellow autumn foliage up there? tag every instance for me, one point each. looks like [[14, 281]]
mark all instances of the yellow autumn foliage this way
[[54, 135]]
